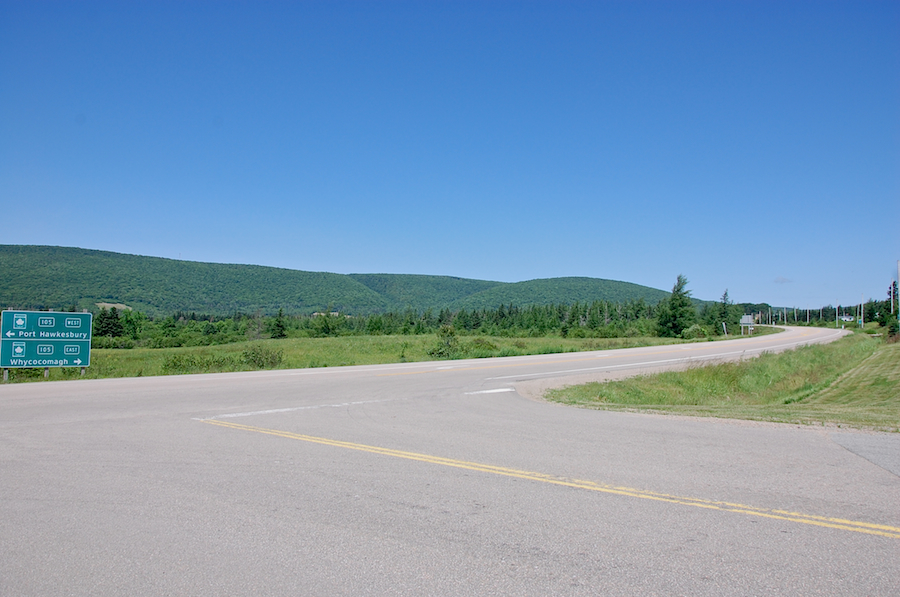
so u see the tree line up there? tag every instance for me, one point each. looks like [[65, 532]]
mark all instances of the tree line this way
[[675, 317]]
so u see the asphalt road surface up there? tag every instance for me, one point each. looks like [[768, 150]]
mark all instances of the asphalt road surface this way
[[445, 478]]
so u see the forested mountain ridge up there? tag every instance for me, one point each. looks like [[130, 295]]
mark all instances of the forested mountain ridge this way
[[551, 291], [59, 277], [44, 277], [423, 292]]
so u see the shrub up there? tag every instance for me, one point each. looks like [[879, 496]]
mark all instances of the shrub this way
[[186, 362], [447, 345], [893, 328], [482, 344], [111, 342], [164, 342], [260, 357], [480, 348], [695, 331]]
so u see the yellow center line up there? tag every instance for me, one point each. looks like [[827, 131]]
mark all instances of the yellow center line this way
[[822, 521]]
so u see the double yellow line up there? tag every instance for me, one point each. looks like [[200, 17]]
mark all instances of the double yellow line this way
[[822, 521]]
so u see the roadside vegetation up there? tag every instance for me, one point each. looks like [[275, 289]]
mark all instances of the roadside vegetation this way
[[853, 382], [676, 316], [797, 387], [127, 343], [335, 351]]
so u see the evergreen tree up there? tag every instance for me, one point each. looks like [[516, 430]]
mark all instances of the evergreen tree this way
[[279, 329], [100, 323], [326, 324], [107, 323], [714, 315], [133, 324], [677, 312]]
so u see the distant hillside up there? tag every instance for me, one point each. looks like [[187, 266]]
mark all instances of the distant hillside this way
[[57, 277], [559, 290], [39, 277], [423, 292]]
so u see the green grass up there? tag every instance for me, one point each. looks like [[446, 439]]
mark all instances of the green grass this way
[[853, 382], [299, 353]]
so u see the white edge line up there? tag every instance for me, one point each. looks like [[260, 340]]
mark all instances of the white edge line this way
[[285, 410], [659, 362], [494, 391]]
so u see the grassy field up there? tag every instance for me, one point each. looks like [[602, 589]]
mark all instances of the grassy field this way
[[299, 353], [854, 382]]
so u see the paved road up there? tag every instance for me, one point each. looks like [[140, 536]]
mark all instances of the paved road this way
[[432, 479]]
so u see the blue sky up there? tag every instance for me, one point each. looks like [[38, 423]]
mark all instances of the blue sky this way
[[752, 146]]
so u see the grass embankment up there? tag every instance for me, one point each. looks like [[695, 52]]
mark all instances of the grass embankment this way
[[299, 353], [854, 382]]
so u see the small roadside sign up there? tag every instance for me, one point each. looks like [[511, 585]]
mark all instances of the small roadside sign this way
[[45, 339], [747, 322]]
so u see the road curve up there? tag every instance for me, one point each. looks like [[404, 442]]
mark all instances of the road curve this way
[[433, 479]]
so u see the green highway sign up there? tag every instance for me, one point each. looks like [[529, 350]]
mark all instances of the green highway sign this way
[[45, 339]]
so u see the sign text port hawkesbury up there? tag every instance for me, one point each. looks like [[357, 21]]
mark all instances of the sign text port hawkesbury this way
[[45, 339]]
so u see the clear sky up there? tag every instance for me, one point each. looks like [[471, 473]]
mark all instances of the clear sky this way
[[753, 146]]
